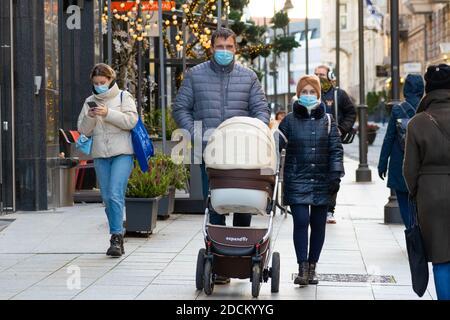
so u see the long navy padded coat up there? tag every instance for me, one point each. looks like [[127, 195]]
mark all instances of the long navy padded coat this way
[[314, 156]]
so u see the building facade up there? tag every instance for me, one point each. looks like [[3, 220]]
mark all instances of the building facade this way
[[45, 60], [375, 44], [426, 37]]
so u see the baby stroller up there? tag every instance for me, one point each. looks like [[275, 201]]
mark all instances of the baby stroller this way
[[241, 162]]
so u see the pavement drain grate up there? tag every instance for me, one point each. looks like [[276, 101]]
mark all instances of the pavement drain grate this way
[[348, 277]]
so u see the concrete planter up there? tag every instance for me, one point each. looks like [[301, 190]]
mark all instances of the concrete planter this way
[[371, 136], [141, 214], [166, 204]]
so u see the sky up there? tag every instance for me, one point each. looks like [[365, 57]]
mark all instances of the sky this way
[[264, 8]]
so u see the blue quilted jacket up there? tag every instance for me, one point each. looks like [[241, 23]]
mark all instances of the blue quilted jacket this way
[[391, 151], [314, 156], [212, 94]]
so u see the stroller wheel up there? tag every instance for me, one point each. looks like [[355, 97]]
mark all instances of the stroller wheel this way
[[256, 280], [275, 272], [208, 278], [200, 269]]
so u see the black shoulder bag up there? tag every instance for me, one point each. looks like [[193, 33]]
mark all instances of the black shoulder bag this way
[[418, 263]]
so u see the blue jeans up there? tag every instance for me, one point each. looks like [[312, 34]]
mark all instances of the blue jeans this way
[[302, 220], [112, 174], [406, 211], [239, 219], [441, 272]]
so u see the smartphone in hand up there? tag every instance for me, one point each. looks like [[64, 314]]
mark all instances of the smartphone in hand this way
[[92, 105]]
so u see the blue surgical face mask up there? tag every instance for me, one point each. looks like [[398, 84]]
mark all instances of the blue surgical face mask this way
[[223, 57], [308, 101], [102, 88]]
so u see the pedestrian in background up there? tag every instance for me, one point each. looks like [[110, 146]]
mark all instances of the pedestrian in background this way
[[109, 124], [346, 114], [279, 116], [392, 150], [312, 172], [427, 172]]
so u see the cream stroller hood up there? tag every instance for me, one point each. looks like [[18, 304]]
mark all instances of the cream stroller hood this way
[[241, 143]]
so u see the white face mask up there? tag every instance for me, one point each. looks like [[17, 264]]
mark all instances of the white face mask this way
[[311, 108]]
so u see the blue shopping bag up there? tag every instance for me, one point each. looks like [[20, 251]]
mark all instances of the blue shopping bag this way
[[84, 144], [142, 145]]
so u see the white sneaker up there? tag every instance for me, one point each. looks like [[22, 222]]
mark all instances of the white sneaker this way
[[330, 218]]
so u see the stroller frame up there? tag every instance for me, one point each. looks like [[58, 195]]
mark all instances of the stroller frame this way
[[250, 261]]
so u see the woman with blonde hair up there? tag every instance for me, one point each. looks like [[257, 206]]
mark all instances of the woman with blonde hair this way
[[108, 116], [312, 172]]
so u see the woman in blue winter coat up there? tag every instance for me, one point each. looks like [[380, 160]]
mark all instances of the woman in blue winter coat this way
[[392, 150], [312, 172]]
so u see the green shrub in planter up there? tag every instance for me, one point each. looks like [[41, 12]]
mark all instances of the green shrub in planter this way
[[143, 194], [152, 183], [178, 177]]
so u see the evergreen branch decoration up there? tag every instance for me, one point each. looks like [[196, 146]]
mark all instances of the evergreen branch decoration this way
[[284, 44], [280, 20]]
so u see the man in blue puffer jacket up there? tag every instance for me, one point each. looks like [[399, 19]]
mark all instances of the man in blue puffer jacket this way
[[392, 152], [215, 91]]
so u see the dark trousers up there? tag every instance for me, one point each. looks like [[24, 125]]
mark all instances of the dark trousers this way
[[302, 220], [239, 219], [406, 211]]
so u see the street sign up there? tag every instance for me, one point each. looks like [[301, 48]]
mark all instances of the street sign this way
[[413, 67], [146, 6], [445, 47]]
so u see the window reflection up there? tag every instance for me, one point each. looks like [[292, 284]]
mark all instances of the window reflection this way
[[51, 87]]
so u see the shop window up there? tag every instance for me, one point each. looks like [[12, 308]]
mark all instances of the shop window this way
[[343, 16]]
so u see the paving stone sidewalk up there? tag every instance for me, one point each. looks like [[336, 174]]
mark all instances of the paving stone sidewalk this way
[[42, 252]]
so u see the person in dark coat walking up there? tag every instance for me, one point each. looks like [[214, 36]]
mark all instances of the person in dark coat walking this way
[[427, 172], [346, 114], [312, 172], [392, 151]]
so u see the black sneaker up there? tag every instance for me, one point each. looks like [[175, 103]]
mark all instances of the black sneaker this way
[[116, 248]]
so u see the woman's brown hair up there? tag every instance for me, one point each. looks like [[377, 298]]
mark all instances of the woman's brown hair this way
[[102, 69]]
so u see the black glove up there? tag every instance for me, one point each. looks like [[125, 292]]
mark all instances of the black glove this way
[[334, 186], [382, 174]]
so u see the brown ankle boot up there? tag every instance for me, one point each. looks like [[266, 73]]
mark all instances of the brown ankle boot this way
[[312, 277], [302, 277]]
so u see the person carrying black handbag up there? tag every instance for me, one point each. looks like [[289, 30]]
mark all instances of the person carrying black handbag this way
[[426, 169]]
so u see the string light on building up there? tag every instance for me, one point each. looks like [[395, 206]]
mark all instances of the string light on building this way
[[138, 25]]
